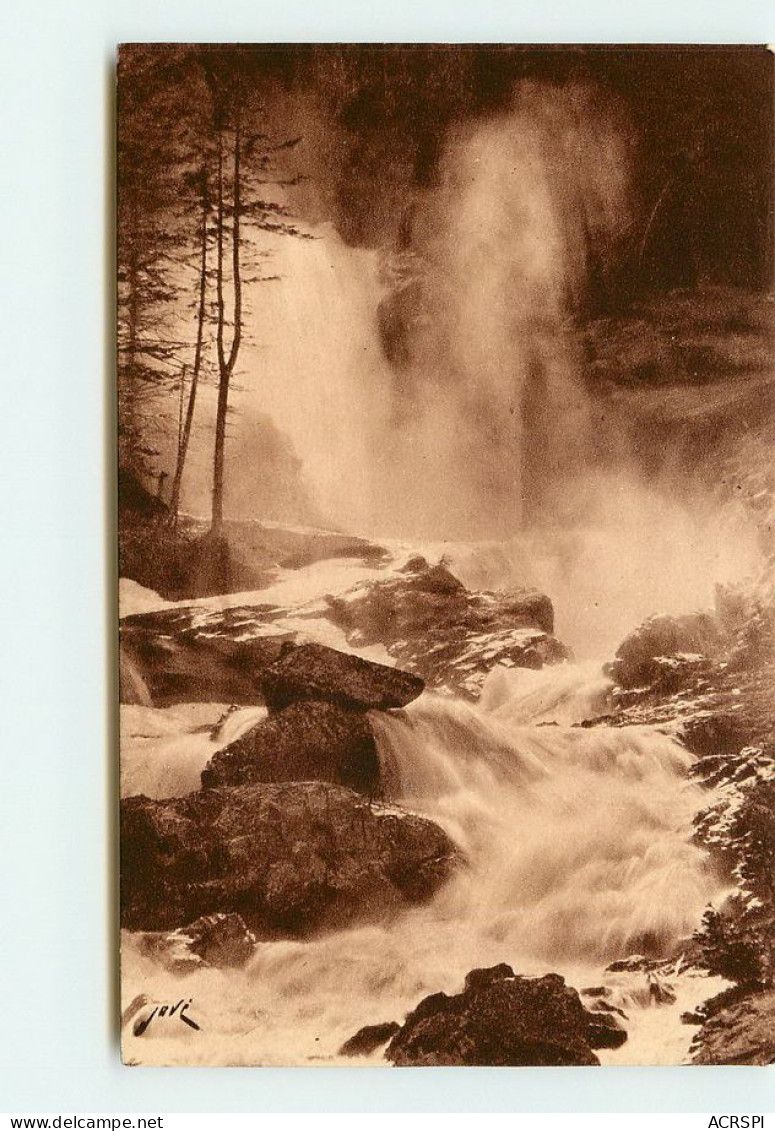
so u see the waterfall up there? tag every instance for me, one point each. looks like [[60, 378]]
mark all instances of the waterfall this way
[[528, 202], [487, 430], [490, 405]]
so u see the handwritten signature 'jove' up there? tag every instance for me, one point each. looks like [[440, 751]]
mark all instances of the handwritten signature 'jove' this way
[[166, 1011]]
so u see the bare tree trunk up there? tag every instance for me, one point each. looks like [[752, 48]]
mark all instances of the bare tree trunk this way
[[129, 423], [181, 402], [185, 434], [226, 362]]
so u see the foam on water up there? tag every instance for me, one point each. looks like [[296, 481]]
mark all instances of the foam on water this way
[[576, 838], [577, 851], [165, 749]]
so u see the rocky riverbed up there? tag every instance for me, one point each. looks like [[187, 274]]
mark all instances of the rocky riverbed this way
[[277, 812]]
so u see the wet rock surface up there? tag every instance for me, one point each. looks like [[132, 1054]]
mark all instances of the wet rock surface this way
[[288, 857], [132, 688], [498, 1019], [723, 710], [606, 1030], [452, 637], [221, 940], [737, 939], [665, 653], [188, 561], [312, 671], [194, 655], [318, 729], [307, 741], [420, 617]]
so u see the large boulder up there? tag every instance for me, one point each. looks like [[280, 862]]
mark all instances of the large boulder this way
[[666, 653], [313, 671], [308, 741], [288, 857], [430, 624], [498, 1019], [754, 644]]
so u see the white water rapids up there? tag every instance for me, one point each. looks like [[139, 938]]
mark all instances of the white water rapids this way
[[575, 838], [576, 847]]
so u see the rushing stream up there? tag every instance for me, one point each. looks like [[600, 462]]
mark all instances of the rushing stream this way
[[577, 852], [575, 838]]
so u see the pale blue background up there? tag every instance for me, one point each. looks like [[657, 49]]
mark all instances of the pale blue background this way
[[57, 1050]]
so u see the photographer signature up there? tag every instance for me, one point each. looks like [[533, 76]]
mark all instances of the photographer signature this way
[[179, 1009]]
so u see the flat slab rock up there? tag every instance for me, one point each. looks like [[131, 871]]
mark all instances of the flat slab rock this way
[[308, 741], [290, 858], [313, 671], [499, 1019]]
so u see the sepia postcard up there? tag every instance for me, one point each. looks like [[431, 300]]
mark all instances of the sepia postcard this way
[[446, 531]]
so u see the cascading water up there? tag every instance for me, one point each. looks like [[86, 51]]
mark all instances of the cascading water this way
[[490, 403], [575, 839], [576, 851]]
